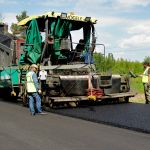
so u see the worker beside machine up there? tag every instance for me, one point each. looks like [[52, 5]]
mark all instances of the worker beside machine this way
[[146, 81], [33, 90], [42, 77]]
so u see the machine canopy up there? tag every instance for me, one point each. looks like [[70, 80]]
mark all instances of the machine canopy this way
[[56, 25]]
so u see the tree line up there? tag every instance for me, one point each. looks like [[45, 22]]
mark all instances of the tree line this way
[[109, 64]]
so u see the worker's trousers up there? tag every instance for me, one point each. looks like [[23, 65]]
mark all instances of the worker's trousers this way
[[37, 98], [147, 93]]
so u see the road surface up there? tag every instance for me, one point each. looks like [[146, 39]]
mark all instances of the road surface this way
[[21, 131], [132, 116]]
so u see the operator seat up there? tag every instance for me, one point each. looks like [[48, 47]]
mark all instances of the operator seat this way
[[80, 46], [79, 49]]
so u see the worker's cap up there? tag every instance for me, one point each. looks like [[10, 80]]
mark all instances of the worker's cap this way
[[34, 66]]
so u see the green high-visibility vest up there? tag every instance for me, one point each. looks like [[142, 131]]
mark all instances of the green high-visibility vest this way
[[30, 86], [145, 76]]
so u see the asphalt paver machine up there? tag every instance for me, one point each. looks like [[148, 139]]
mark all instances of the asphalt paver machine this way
[[72, 77]]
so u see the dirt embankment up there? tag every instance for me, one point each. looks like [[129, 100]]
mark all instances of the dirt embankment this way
[[139, 98]]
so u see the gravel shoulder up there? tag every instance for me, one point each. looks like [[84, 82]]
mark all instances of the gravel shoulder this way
[[139, 98]]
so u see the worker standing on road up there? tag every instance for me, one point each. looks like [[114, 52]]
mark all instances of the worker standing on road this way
[[146, 81], [33, 90], [42, 77]]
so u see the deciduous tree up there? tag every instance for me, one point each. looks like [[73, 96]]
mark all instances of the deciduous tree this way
[[19, 29]]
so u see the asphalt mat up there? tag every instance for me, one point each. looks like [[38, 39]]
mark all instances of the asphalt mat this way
[[126, 115], [131, 116]]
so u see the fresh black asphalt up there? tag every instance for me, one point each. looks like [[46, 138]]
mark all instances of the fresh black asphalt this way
[[126, 115]]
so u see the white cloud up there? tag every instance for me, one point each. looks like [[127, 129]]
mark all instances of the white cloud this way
[[8, 2], [102, 7], [9, 18], [136, 41], [140, 28], [119, 25], [109, 21], [138, 35], [2, 1], [119, 54], [54, 3], [132, 3]]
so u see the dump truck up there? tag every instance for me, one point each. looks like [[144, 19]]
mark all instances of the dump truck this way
[[72, 76]]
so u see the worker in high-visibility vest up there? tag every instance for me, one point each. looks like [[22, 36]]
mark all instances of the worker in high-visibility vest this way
[[146, 81], [33, 90]]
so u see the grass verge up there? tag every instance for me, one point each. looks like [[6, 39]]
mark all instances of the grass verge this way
[[137, 86]]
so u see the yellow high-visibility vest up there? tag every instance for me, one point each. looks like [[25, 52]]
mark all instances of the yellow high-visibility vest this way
[[145, 76], [30, 86]]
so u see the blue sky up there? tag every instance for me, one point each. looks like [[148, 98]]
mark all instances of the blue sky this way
[[123, 25]]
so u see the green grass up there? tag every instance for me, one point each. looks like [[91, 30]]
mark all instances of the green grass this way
[[136, 85]]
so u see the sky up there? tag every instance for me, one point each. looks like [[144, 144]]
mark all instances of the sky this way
[[123, 26]]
